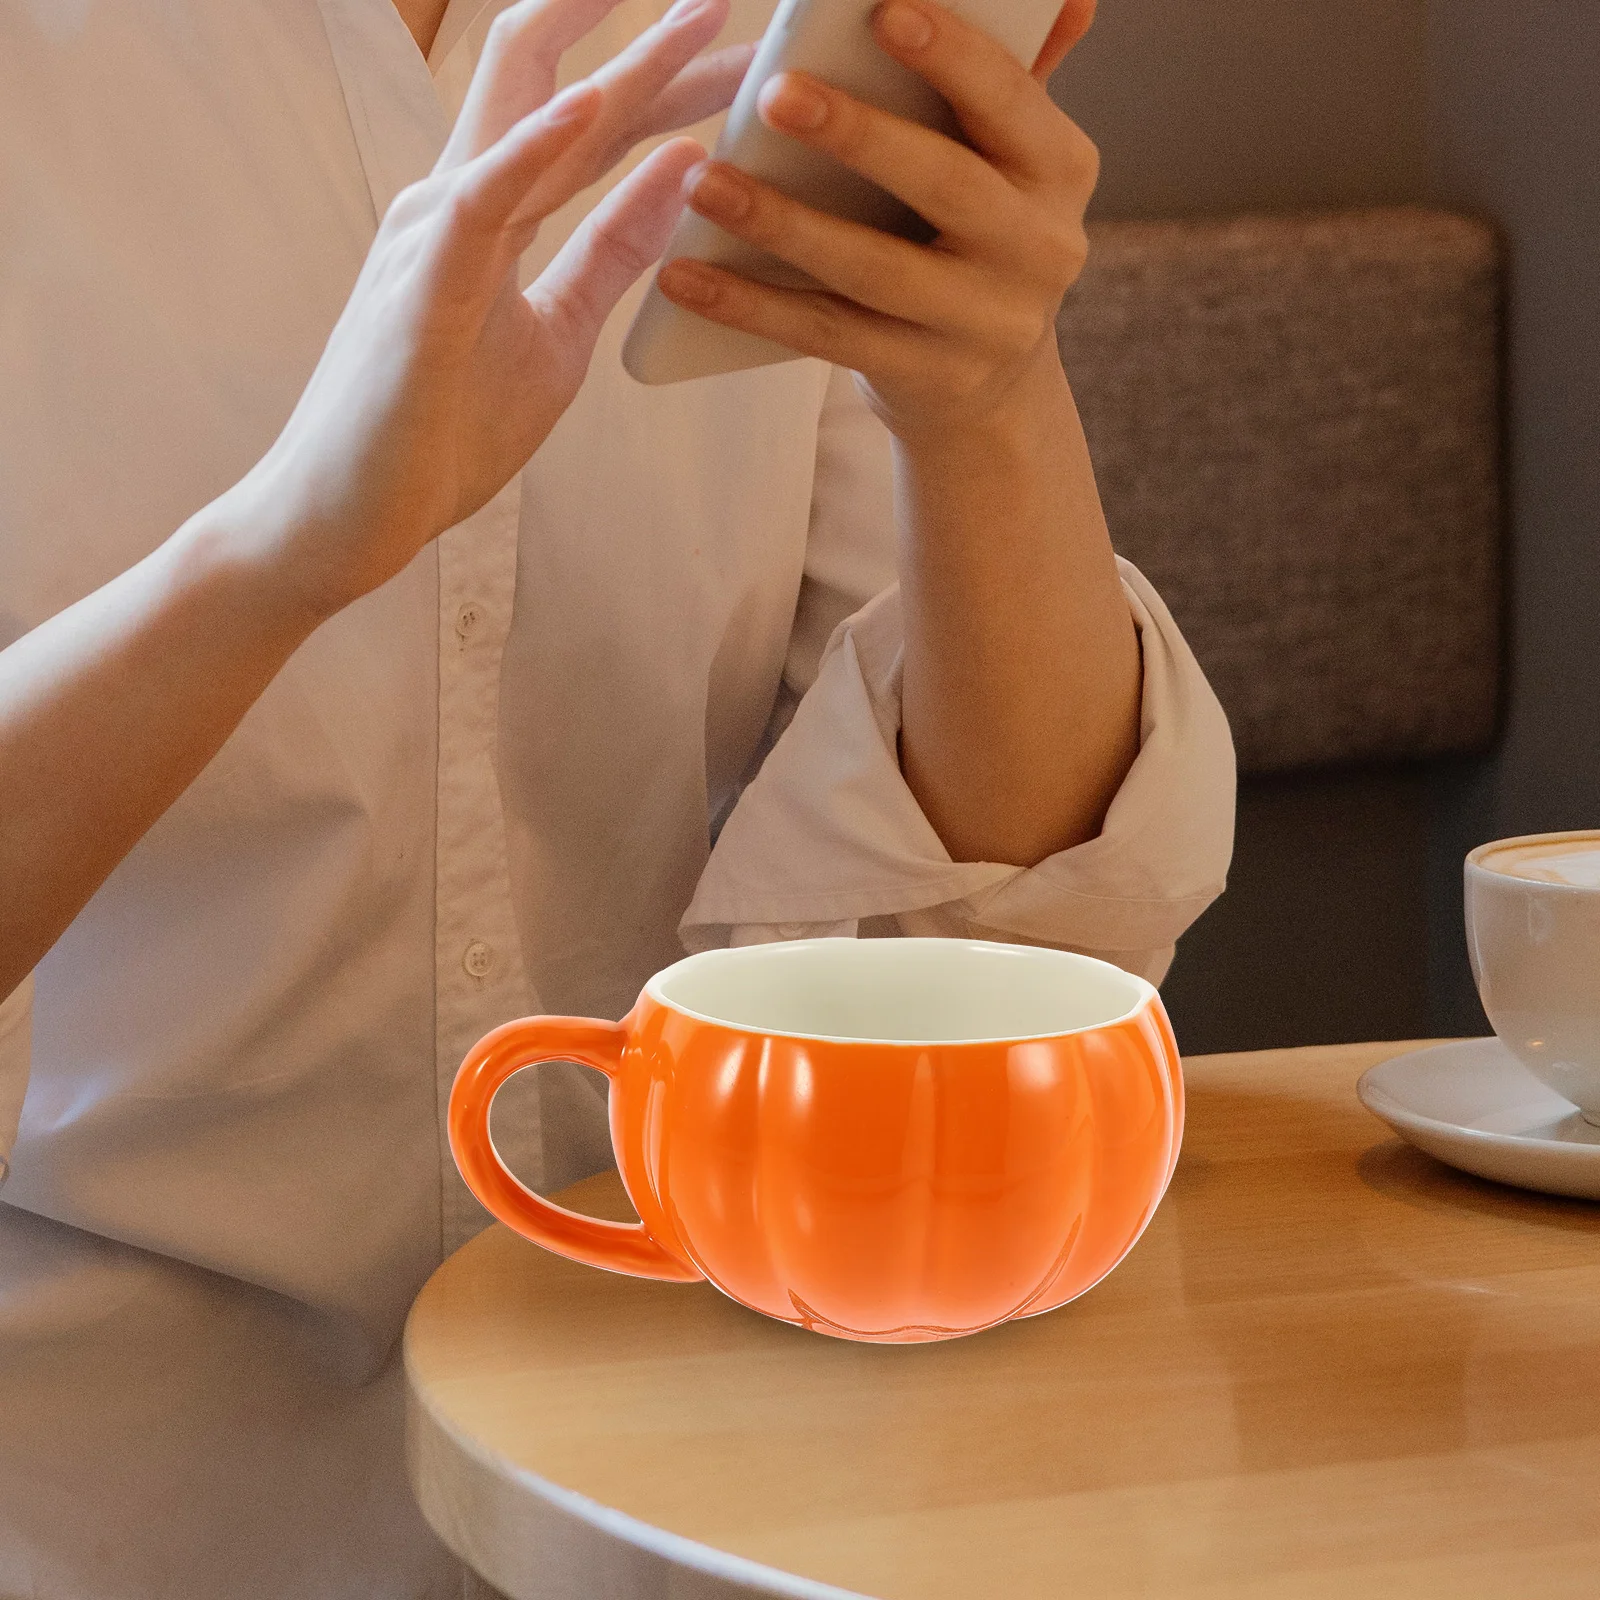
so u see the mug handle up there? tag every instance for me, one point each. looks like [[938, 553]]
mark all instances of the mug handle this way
[[617, 1246]]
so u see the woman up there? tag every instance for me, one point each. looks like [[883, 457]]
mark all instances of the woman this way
[[402, 732]]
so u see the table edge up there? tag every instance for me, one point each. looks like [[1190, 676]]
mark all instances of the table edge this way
[[676, 1551]]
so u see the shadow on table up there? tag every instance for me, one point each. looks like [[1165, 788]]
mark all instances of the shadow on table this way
[[1400, 1171]]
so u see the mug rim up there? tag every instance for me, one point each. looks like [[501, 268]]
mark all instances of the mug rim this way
[[1474, 860], [1144, 991]]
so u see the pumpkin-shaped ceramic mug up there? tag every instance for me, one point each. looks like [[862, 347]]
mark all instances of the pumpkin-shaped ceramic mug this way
[[881, 1139]]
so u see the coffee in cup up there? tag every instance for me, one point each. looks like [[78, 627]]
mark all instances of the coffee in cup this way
[[1533, 935], [891, 1140]]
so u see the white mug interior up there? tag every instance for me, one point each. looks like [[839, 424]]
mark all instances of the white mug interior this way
[[1533, 935], [901, 991]]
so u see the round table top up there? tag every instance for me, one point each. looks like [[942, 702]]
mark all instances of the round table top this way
[[1331, 1366]]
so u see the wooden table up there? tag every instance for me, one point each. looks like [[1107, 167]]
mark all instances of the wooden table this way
[[1331, 1368]]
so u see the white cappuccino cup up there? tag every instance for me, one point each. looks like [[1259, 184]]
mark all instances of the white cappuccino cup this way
[[1533, 933]]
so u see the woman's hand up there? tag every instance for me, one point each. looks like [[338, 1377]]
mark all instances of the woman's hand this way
[[945, 334], [438, 383], [442, 377], [1021, 680]]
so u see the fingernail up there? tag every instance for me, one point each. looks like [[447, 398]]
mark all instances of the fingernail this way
[[717, 193], [792, 102], [688, 283], [904, 26]]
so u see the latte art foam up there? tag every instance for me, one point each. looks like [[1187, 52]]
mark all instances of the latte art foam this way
[[1574, 863]]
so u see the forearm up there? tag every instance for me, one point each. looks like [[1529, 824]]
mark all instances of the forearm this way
[[111, 708], [1022, 672], [1022, 666]]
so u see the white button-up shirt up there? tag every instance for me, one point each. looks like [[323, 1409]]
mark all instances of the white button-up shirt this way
[[487, 789]]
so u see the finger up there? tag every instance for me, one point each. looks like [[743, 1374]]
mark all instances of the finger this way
[[609, 97], [499, 199], [531, 39], [704, 87], [932, 288], [810, 322], [616, 242], [516, 74], [1075, 20], [951, 187], [633, 79], [1002, 108]]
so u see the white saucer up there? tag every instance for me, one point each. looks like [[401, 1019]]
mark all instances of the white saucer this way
[[1475, 1106]]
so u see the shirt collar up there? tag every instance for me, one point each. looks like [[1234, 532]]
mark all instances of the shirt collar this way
[[401, 108], [459, 16], [457, 46]]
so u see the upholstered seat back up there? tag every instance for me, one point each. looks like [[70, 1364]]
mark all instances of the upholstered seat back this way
[[1295, 427]]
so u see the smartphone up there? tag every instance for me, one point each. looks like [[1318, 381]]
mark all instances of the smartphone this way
[[832, 40]]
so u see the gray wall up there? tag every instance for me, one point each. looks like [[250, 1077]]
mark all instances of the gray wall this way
[[1213, 106], [1515, 136]]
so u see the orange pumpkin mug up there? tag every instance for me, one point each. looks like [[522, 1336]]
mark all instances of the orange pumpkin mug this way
[[882, 1139]]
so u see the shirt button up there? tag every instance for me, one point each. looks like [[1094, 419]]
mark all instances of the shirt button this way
[[478, 959], [468, 616]]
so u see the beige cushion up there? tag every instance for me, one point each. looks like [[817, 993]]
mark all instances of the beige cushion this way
[[1294, 425]]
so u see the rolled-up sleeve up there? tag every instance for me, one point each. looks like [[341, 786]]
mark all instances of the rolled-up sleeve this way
[[16, 1019], [828, 838]]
